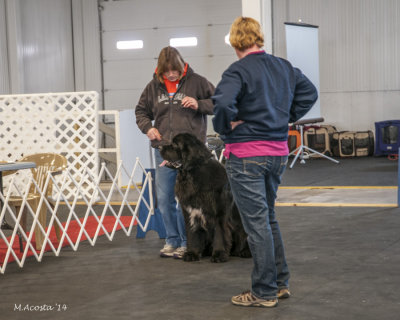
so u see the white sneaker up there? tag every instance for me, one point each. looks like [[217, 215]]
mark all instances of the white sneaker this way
[[167, 251], [179, 252]]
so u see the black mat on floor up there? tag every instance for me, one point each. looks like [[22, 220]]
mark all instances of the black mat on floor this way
[[362, 171]]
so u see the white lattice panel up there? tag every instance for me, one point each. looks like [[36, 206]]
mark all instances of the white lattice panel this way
[[103, 210], [64, 123]]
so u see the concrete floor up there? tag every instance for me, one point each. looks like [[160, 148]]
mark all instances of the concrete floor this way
[[344, 264], [376, 196], [363, 171], [367, 182]]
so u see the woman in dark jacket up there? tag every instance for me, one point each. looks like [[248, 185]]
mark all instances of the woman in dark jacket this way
[[256, 99], [177, 100]]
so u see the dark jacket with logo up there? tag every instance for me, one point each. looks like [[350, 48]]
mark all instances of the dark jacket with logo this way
[[170, 118], [264, 91]]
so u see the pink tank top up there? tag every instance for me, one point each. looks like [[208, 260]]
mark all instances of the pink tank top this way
[[257, 149]]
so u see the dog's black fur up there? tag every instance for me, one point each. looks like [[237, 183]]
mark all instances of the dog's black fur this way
[[212, 220]]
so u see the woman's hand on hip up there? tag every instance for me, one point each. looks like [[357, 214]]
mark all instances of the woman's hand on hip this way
[[234, 124], [153, 134]]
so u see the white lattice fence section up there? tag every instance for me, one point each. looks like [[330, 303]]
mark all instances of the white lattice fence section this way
[[64, 123], [99, 199]]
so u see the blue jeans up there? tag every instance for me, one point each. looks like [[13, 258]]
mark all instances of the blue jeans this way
[[254, 183], [170, 210]]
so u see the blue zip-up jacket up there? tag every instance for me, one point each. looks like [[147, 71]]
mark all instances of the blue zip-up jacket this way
[[264, 91]]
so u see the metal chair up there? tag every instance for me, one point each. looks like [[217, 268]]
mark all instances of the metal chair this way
[[45, 163]]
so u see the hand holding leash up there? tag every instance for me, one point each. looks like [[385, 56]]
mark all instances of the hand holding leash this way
[[154, 134]]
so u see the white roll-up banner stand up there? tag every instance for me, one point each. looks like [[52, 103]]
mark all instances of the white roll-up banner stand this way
[[302, 53]]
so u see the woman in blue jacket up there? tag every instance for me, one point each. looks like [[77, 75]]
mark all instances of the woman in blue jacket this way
[[256, 99]]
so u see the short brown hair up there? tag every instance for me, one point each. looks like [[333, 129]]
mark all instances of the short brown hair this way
[[169, 59], [244, 33]]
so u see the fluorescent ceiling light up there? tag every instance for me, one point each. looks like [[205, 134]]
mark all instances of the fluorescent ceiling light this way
[[227, 39], [183, 42], [132, 44]]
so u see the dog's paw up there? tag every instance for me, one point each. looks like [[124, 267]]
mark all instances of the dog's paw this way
[[190, 256], [219, 256]]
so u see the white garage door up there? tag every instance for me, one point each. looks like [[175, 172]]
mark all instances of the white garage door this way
[[154, 22]]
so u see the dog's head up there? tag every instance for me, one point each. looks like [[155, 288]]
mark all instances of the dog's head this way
[[185, 151]]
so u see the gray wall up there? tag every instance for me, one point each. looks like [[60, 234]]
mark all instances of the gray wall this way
[[87, 47], [4, 75], [49, 46], [359, 56], [46, 46], [36, 46]]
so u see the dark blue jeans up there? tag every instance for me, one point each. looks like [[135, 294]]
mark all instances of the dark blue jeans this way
[[254, 183]]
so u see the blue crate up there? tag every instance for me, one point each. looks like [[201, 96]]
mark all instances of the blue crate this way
[[387, 137]]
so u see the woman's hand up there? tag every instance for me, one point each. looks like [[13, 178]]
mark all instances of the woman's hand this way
[[234, 124], [189, 102], [153, 134]]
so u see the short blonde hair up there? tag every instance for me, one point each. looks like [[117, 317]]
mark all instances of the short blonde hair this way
[[169, 59], [244, 33]]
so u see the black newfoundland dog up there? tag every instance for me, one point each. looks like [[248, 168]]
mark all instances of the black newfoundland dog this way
[[213, 224]]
